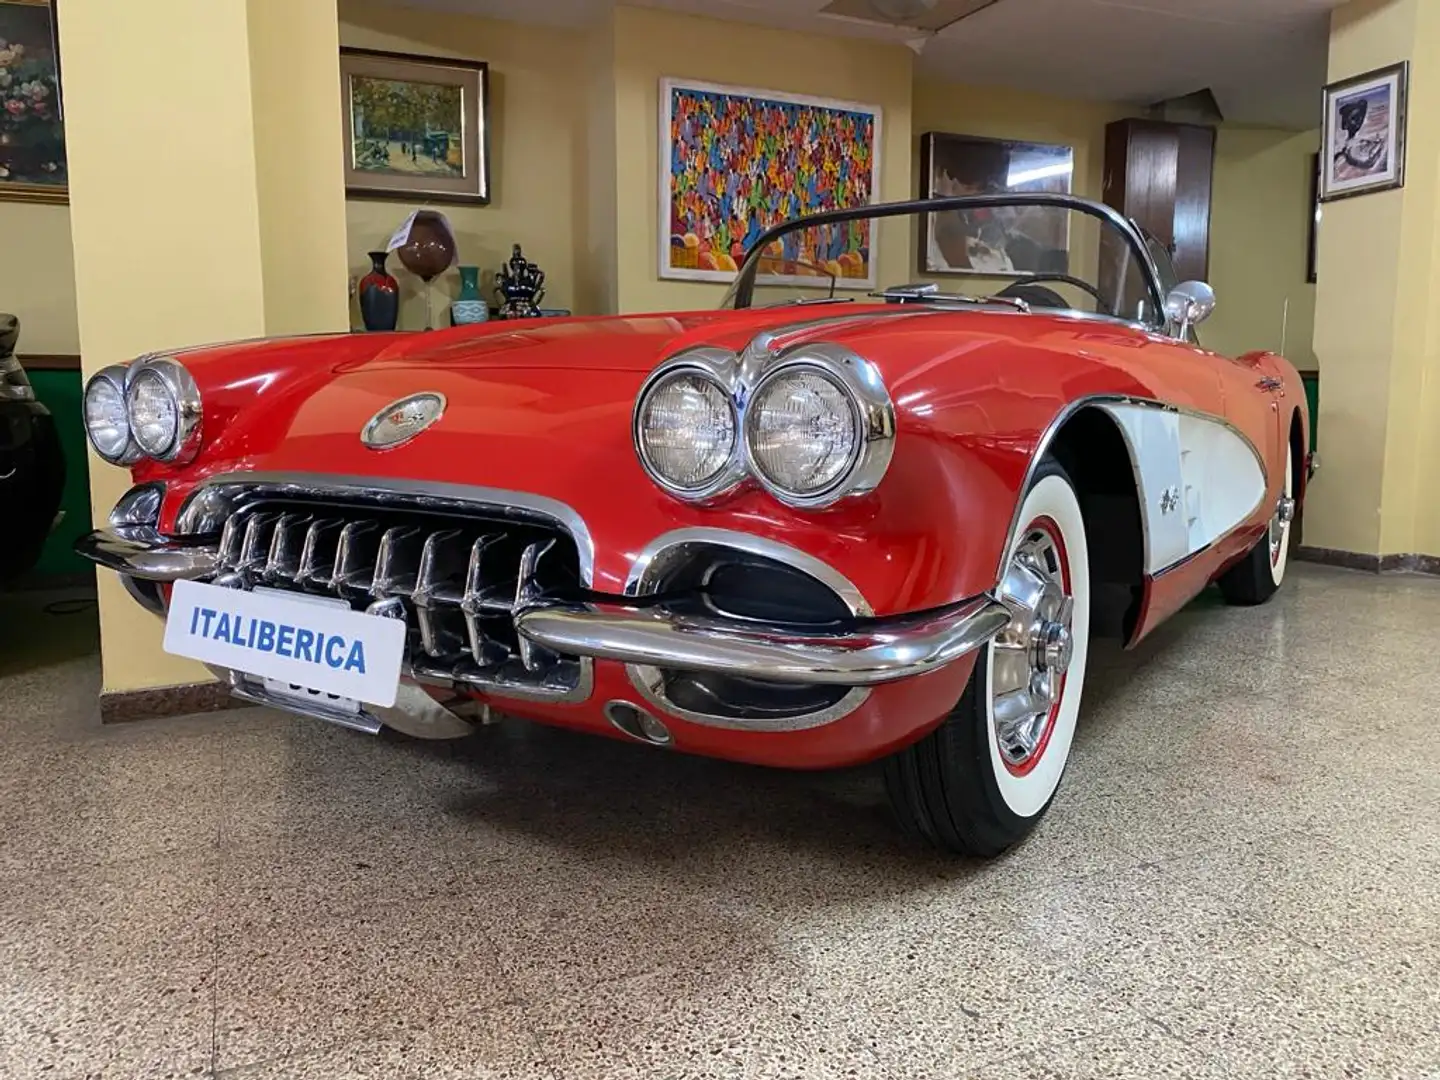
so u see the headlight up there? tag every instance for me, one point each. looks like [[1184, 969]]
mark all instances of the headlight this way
[[685, 433], [106, 423], [819, 427], [163, 404]]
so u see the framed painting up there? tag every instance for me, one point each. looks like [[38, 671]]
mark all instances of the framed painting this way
[[1312, 248], [32, 122], [1014, 243], [736, 161], [1363, 138], [416, 127]]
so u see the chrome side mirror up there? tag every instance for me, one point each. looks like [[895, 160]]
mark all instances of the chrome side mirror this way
[[1189, 304]]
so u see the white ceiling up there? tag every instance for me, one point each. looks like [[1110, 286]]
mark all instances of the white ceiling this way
[[1264, 60]]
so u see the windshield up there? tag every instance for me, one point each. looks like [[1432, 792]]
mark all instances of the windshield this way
[[1050, 252]]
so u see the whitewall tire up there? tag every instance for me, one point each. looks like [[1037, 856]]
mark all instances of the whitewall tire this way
[[1257, 577], [981, 781]]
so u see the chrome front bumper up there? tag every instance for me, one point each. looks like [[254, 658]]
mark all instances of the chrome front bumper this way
[[872, 652], [146, 558], [868, 652]]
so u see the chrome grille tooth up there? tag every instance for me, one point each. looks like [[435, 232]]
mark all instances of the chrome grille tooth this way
[[474, 602], [255, 548], [527, 589], [285, 544], [397, 562], [355, 557], [231, 539], [317, 555], [442, 561]]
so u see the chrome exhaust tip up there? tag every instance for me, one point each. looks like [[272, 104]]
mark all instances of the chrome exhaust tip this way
[[637, 723]]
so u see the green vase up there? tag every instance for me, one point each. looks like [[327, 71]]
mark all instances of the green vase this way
[[469, 308]]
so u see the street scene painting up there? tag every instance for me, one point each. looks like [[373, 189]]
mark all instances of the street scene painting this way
[[416, 127], [409, 128], [735, 162], [32, 127]]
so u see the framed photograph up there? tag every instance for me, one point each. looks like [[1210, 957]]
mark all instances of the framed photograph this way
[[735, 161], [1011, 243], [32, 121], [416, 127], [1363, 141], [1315, 213]]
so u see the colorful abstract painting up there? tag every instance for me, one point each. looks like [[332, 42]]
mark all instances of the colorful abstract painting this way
[[735, 162]]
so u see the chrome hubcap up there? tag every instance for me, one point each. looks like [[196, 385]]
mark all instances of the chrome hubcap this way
[[1033, 653], [1284, 514]]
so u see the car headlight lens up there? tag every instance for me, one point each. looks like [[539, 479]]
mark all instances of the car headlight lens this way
[[154, 413], [107, 424], [804, 433], [685, 432]]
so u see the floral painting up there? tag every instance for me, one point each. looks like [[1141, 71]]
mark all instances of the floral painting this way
[[32, 131], [417, 128], [736, 162]]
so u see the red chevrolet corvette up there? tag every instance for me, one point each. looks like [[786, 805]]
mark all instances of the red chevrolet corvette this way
[[832, 522]]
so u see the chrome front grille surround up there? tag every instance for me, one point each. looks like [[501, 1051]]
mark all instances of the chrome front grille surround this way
[[456, 577]]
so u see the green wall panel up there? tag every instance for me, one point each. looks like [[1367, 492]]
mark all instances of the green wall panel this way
[[60, 392]]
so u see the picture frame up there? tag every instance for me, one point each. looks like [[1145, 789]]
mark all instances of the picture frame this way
[[715, 202], [955, 244], [416, 128], [33, 166], [1362, 147], [1312, 247]]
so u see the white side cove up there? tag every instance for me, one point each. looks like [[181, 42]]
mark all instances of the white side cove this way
[[1198, 478]]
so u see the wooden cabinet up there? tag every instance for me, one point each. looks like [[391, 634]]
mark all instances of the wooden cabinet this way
[[1159, 173]]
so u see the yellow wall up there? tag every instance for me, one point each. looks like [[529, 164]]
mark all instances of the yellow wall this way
[[651, 44], [1259, 232], [537, 144], [37, 276]]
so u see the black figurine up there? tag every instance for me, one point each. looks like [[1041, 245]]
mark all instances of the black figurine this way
[[520, 285]]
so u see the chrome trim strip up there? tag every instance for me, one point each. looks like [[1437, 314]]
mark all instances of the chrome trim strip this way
[[880, 651], [678, 544], [151, 561], [423, 493]]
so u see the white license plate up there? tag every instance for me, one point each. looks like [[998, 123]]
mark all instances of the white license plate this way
[[288, 640]]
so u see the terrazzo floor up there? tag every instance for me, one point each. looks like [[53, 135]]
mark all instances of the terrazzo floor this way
[[1240, 878]]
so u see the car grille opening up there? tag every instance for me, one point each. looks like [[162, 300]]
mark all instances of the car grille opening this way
[[713, 580], [455, 576]]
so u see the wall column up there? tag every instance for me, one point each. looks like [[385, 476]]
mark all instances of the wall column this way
[[207, 204], [1377, 321]]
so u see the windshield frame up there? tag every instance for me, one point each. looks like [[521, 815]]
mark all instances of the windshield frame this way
[[741, 294]]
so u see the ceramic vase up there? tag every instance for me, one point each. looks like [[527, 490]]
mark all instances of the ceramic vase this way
[[379, 295], [469, 308]]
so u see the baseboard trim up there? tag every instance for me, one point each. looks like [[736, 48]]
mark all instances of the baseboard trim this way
[[1374, 564], [127, 706]]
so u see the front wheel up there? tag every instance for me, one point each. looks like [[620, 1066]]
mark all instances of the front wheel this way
[[983, 779], [1258, 576]]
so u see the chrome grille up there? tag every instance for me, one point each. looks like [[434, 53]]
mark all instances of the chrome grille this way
[[456, 579]]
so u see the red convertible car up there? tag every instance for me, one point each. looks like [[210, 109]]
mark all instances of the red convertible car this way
[[833, 522]]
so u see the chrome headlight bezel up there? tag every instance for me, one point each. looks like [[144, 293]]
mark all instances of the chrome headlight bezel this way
[[872, 413], [115, 376], [713, 366], [180, 385]]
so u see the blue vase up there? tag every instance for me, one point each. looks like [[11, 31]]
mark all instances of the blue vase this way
[[469, 308]]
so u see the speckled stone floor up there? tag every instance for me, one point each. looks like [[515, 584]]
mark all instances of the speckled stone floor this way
[[1241, 878]]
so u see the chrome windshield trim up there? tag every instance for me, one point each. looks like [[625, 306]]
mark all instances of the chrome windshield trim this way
[[424, 493]]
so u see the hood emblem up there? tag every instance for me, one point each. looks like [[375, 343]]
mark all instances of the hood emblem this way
[[400, 421]]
